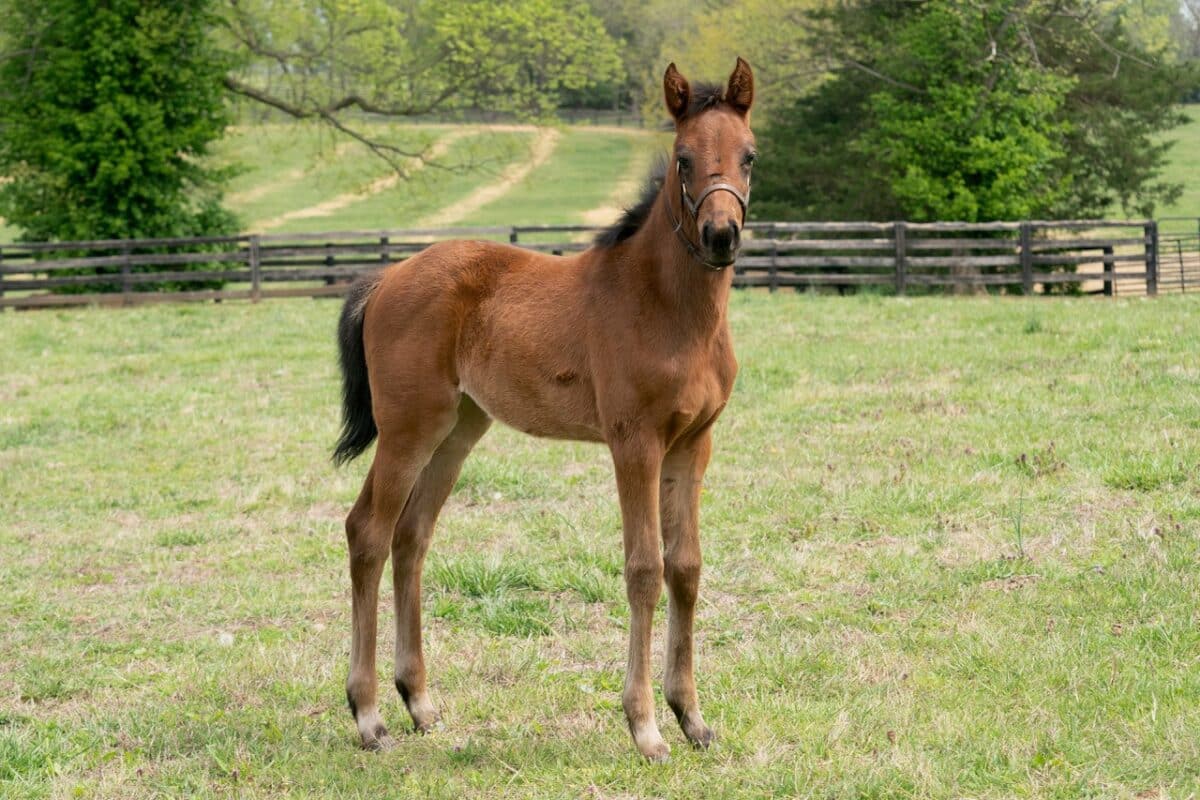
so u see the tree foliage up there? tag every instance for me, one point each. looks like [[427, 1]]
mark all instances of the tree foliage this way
[[106, 113], [771, 34], [328, 59], [957, 109]]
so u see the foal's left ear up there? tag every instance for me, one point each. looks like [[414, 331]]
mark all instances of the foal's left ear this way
[[740, 92]]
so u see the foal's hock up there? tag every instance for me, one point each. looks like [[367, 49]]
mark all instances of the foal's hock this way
[[626, 343]]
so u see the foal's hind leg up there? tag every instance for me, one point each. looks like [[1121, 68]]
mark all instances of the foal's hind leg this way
[[683, 472], [402, 453], [409, 545]]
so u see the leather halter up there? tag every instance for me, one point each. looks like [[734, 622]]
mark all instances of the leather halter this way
[[693, 208]]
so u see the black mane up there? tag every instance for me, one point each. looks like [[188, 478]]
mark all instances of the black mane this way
[[635, 216], [703, 97]]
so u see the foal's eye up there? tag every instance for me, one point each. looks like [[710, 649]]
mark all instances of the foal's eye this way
[[685, 163], [749, 159]]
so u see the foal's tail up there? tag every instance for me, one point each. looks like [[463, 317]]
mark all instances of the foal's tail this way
[[358, 424]]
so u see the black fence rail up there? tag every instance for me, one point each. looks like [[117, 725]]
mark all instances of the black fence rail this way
[[1105, 257]]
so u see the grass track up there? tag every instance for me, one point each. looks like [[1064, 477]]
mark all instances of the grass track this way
[[951, 550], [581, 175]]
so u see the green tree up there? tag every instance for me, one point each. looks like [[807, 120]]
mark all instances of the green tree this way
[[975, 111], [329, 60], [771, 34], [106, 113]]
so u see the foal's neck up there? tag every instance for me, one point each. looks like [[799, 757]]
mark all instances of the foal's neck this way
[[693, 296]]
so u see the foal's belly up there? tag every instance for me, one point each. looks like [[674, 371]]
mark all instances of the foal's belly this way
[[540, 388]]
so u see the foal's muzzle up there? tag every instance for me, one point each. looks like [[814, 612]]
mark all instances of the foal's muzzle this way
[[721, 243]]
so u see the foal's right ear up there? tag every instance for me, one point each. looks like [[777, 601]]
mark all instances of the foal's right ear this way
[[676, 92]]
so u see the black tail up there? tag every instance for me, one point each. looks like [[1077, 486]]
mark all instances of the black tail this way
[[358, 424]]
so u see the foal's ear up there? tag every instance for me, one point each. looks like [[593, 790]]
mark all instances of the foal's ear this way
[[676, 92], [740, 92]]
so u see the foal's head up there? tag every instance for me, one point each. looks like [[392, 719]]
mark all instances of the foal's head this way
[[708, 184]]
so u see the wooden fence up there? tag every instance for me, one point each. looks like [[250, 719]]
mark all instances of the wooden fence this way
[[1101, 257]]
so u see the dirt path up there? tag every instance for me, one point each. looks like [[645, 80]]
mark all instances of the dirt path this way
[[337, 203], [623, 194], [543, 147], [291, 176]]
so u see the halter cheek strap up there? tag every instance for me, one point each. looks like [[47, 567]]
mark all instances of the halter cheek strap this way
[[693, 208]]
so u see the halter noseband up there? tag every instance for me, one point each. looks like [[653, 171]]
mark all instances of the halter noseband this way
[[693, 208]]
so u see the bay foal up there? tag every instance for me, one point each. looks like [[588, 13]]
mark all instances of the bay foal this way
[[626, 344]]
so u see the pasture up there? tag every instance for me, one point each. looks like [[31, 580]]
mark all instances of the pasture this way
[[301, 178], [951, 550]]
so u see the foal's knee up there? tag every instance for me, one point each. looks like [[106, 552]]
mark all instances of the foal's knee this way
[[683, 575], [643, 580]]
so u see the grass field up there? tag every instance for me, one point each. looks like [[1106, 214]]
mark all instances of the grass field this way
[[951, 551], [288, 171], [1185, 168]]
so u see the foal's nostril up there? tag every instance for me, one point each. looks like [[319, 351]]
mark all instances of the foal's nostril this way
[[706, 234], [723, 240]]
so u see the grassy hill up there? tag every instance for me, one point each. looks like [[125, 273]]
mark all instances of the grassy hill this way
[[1185, 167], [307, 178], [302, 178]]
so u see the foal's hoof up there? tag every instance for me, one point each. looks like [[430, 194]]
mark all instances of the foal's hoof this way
[[701, 737], [656, 751], [428, 726], [380, 742], [660, 755]]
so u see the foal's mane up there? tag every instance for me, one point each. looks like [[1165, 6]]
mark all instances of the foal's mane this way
[[703, 97]]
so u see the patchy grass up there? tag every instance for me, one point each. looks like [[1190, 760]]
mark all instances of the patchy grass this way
[[951, 550]]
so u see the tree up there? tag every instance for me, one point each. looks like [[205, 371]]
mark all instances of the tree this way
[[770, 34], [106, 114], [975, 111], [332, 60]]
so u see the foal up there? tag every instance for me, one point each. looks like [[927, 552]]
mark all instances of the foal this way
[[626, 344]]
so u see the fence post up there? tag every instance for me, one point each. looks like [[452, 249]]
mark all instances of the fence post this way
[[1109, 266], [773, 270], [1027, 258], [125, 270], [900, 235], [512, 236], [1182, 278], [383, 249], [1151, 258], [255, 270]]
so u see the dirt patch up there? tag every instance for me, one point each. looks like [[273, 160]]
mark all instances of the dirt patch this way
[[337, 203], [543, 147], [287, 178], [622, 194]]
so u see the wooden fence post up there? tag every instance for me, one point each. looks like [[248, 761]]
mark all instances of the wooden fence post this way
[[1027, 258], [126, 286], [1182, 278], [900, 235], [383, 249], [1151, 230], [512, 236], [255, 270], [1109, 266], [773, 270]]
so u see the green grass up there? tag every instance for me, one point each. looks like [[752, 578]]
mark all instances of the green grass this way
[[582, 173], [1184, 167], [286, 168], [951, 550]]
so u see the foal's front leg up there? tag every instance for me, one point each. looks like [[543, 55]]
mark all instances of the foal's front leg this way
[[638, 465], [682, 476]]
